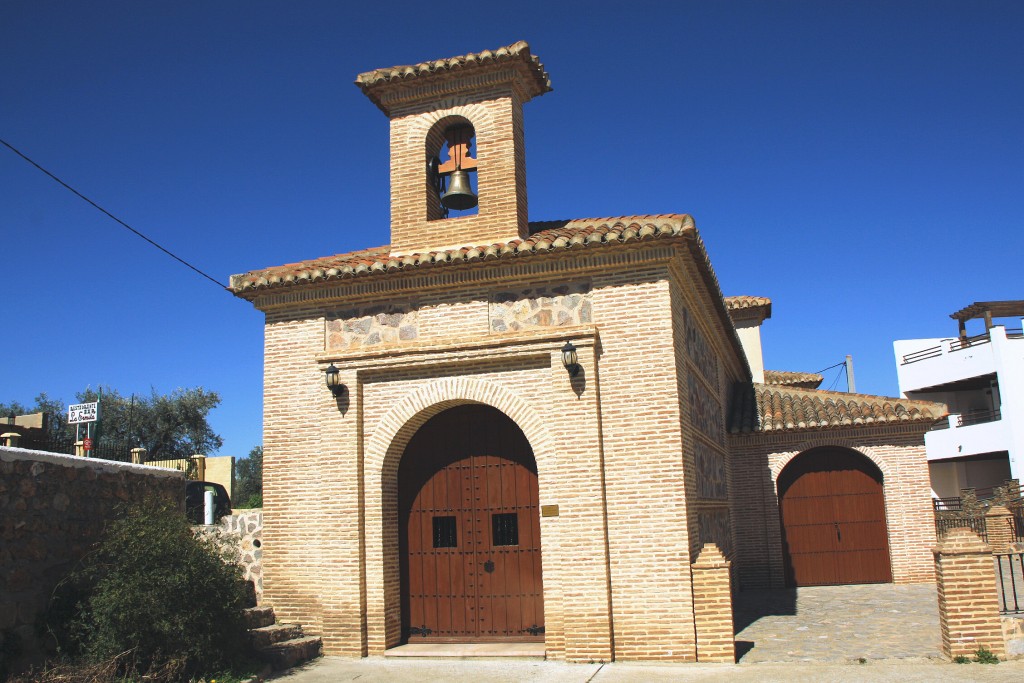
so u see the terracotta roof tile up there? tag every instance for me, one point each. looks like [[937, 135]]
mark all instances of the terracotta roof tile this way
[[743, 301], [772, 408], [804, 380], [748, 309], [547, 236], [518, 55]]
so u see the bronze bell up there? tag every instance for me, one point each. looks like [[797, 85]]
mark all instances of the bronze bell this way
[[460, 193]]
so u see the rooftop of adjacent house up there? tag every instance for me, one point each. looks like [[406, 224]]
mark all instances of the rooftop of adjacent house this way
[[758, 408], [804, 380], [546, 237], [990, 309], [517, 55]]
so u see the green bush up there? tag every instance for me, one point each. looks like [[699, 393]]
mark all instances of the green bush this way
[[156, 598], [985, 656]]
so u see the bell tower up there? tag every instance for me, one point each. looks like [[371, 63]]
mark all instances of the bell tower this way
[[458, 158]]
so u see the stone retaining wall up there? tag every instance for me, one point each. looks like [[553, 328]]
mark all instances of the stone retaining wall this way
[[245, 527], [52, 510]]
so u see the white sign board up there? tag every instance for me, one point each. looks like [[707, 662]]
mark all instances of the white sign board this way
[[82, 412]]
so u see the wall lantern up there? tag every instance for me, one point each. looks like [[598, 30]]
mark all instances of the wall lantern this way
[[333, 378], [569, 359]]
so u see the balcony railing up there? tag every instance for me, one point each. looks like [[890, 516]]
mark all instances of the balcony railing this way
[[965, 342], [973, 417], [957, 345], [930, 352], [976, 417]]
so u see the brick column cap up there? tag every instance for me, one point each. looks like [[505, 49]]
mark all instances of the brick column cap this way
[[710, 557], [962, 541], [998, 511]]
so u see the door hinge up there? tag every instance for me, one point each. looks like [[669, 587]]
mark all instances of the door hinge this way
[[420, 631], [534, 630]]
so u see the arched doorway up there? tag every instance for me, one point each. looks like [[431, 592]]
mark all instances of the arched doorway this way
[[469, 530], [833, 519]]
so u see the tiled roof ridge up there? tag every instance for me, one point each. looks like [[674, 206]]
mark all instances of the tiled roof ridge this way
[[772, 408], [404, 73], [746, 301], [790, 377], [555, 236]]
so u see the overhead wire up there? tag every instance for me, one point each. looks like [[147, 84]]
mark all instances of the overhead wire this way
[[839, 374], [110, 215]]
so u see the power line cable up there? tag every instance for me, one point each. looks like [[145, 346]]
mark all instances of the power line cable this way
[[830, 367], [838, 375], [110, 215]]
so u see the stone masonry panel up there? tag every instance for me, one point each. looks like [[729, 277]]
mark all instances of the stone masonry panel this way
[[557, 306], [370, 326]]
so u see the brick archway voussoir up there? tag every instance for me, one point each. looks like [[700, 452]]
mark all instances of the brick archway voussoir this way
[[394, 430], [804, 446]]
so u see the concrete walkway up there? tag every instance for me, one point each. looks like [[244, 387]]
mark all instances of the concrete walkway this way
[[396, 670], [809, 634]]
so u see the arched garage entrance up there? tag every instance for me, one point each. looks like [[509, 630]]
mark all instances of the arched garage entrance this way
[[833, 519], [469, 530]]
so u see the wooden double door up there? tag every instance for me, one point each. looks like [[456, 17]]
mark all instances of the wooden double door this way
[[470, 531], [833, 520]]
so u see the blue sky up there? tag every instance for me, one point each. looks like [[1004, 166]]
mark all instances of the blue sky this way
[[860, 163]]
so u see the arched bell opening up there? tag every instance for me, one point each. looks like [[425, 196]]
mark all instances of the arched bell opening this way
[[832, 509], [469, 531], [451, 169]]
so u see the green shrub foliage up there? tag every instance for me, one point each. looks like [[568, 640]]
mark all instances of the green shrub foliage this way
[[156, 590]]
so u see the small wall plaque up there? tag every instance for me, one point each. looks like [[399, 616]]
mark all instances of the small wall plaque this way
[[548, 510]]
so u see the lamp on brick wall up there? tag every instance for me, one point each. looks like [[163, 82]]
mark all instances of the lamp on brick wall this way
[[333, 378], [569, 359]]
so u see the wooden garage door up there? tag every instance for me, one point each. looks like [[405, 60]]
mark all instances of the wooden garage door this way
[[471, 566], [833, 520]]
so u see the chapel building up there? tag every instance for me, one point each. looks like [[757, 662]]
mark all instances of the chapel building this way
[[548, 432]]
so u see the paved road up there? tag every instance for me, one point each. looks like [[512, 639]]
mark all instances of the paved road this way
[[838, 624]]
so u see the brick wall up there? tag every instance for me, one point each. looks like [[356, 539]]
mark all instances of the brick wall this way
[[609, 447], [898, 452], [416, 132], [52, 510]]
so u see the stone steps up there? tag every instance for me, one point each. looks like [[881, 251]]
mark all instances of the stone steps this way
[[282, 646], [289, 653], [257, 617], [265, 636]]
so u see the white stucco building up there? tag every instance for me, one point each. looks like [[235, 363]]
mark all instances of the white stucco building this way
[[980, 377]]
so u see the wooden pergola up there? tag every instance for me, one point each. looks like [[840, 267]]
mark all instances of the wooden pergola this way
[[987, 310]]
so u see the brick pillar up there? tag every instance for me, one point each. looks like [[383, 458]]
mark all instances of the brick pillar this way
[[999, 525], [139, 455], [200, 461], [712, 606], [968, 601]]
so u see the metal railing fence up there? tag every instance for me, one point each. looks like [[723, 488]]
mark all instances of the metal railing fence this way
[[1010, 581]]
